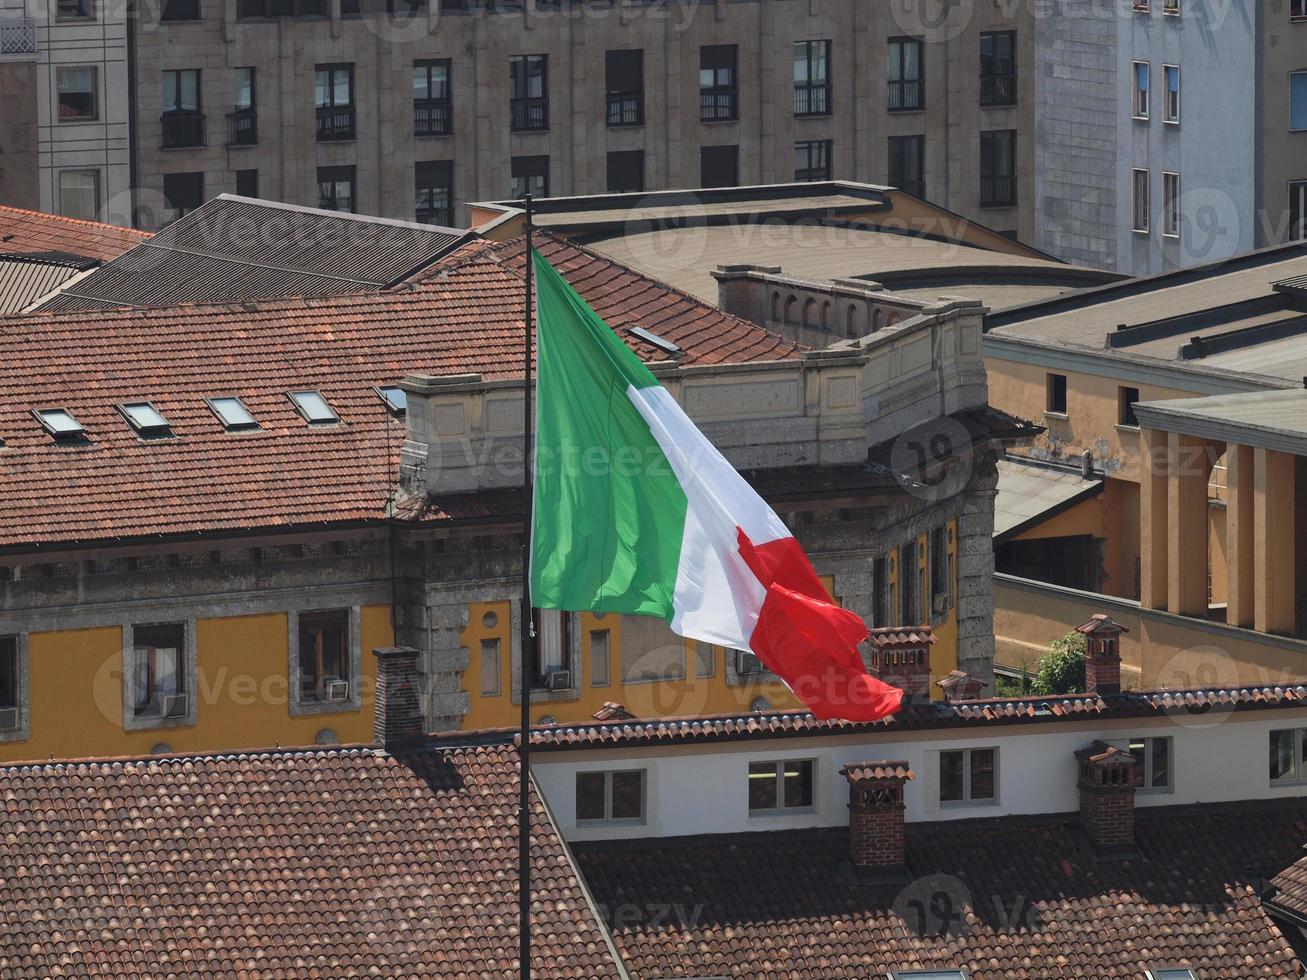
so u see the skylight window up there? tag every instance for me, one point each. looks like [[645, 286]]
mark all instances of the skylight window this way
[[314, 408], [396, 399], [145, 419], [649, 337], [930, 975], [60, 423], [233, 414]]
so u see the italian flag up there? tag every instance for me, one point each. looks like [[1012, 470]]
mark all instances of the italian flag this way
[[635, 512]]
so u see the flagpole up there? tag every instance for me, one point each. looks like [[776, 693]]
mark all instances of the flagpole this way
[[527, 658]]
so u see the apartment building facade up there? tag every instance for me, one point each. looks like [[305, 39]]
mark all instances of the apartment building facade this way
[[1282, 122], [412, 114]]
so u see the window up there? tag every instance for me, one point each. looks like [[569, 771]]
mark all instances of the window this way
[[998, 168], [336, 188], [909, 614], [552, 668], [281, 8], [333, 98], [433, 113], [906, 88], [183, 193], [1125, 401], [625, 171], [1298, 209], [812, 160], [1055, 389], [324, 656], [1298, 100], [1140, 6], [719, 166], [1170, 6], [60, 423], [775, 787], [1170, 205], [145, 419], [1180, 973], [1172, 108], [601, 658], [929, 975], [182, 121], [941, 571], [490, 668], [705, 659], [79, 194], [232, 413], [907, 164], [998, 68], [433, 185], [812, 88], [158, 674], [1140, 108], [968, 776], [242, 121], [529, 92], [880, 592], [11, 682], [624, 87], [1298, 9], [610, 797], [719, 92], [530, 176], [75, 10], [1152, 763], [247, 183], [650, 651], [1139, 201], [78, 101], [396, 400], [180, 10], [313, 407]]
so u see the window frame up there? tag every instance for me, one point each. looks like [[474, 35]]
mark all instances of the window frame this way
[[805, 90], [440, 216], [781, 809], [1125, 406], [336, 176], [997, 78], [719, 101], [1002, 187], [1170, 204], [608, 820], [192, 8], [21, 732], [75, 18], [303, 412], [1301, 73], [901, 84], [620, 157], [183, 210], [948, 974], [1144, 765], [79, 170], [244, 192], [968, 799], [60, 72], [1053, 380], [821, 149], [61, 435], [1297, 10], [705, 152], [917, 186], [1170, 118], [543, 178], [1299, 776], [1141, 98], [1141, 200], [252, 426], [622, 106], [297, 704], [332, 130], [145, 431], [1298, 202], [187, 676], [439, 110], [528, 113]]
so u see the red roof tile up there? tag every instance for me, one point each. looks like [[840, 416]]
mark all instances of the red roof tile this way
[[341, 862], [863, 771], [26, 232], [465, 316]]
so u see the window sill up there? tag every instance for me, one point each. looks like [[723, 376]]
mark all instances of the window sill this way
[[78, 121], [906, 111], [1171, 122], [720, 122], [599, 824], [1123, 427], [427, 136], [960, 804], [145, 723], [791, 811], [337, 139], [19, 734], [1059, 416], [1141, 232], [1169, 236], [813, 115], [1143, 119], [298, 708], [999, 105], [998, 207]]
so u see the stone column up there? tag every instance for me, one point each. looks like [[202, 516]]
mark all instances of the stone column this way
[[1239, 536], [975, 571], [1152, 518], [1186, 528], [1273, 541]]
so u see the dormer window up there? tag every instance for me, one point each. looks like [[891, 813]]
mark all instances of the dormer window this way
[[233, 414], [396, 400], [145, 419], [314, 408], [59, 422]]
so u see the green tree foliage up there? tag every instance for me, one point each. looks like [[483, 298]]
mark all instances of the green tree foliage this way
[[1062, 669]]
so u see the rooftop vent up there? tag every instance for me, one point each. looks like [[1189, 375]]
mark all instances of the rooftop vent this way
[[395, 398], [313, 407], [145, 419], [649, 337], [233, 414], [60, 423]]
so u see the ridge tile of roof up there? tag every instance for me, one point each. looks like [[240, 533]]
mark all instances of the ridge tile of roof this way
[[25, 232]]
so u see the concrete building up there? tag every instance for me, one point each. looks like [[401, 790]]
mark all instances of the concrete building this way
[[1281, 117]]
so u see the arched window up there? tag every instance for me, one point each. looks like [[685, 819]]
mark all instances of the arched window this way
[[810, 313], [775, 306], [792, 310], [825, 315], [877, 319]]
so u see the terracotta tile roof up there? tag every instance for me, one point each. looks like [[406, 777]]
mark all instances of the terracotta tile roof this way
[[25, 232], [465, 317], [1288, 888], [887, 637], [913, 717], [1005, 900], [341, 862]]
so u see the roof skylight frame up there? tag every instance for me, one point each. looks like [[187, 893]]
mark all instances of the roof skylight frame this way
[[249, 424], [145, 419], [398, 407], [59, 430], [303, 402], [649, 337]]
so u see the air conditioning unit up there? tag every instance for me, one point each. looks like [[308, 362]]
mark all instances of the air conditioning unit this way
[[336, 689], [748, 663], [560, 680], [941, 603], [8, 719], [176, 705]]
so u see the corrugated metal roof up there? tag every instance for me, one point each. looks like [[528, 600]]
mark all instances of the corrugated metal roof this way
[[24, 281], [238, 248], [1028, 491]]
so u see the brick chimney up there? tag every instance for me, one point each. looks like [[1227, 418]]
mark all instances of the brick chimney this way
[[902, 657], [958, 685], [1107, 796], [397, 708], [876, 839], [1102, 654]]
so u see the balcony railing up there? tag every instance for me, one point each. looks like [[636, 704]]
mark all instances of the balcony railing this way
[[998, 90], [530, 114], [719, 105], [432, 117], [242, 127], [998, 191], [335, 122], [18, 37], [812, 100], [626, 108], [183, 127], [435, 216], [905, 95]]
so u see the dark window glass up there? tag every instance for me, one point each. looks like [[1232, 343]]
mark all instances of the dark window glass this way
[[798, 783], [880, 585], [1284, 762], [812, 160], [242, 121], [157, 659], [183, 193], [719, 92], [812, 87], [333, 99], [625, 171], [336, 188], [182, 121], [905, 74], [628, 795], [719, 166], [907, 164], [8, 672], [1128, 398], [432, 109], [434, 186], [951, 786], [998, 68], [762, 786], [247, 183], [624, 85], [998, 168], [528, 76], [982, 774], [909, 614], [1298, 208], [530, 176], [180, 10], [1057, 393], [77, 93], [75, 9], [324, 652], [590, 795]]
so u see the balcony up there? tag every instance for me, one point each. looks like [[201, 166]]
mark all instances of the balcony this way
[[335, 122], [718, 105], [998, 191], [530, 114], [812, 100], [998, 90], [242, 127], [906, 96], [18, 37], [432, 117], [181, 128], [625, 108]]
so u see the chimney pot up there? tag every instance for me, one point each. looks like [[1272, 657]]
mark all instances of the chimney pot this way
[[901, 657], [876, 833], [1107, 796], [397, 705], [958, 685], [1102, 654]]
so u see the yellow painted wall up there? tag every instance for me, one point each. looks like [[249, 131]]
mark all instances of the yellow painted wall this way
[[75, 691]]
